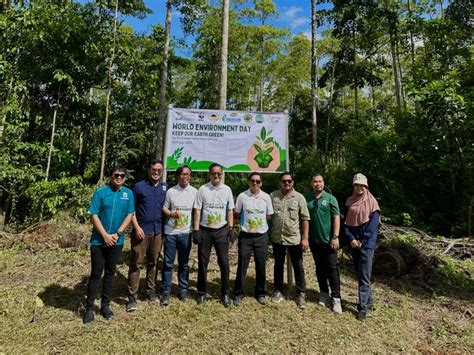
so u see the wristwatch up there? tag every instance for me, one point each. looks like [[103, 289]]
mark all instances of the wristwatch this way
[[119, 232], [335, 237]]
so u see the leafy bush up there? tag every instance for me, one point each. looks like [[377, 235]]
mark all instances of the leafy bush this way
[[47, 198]]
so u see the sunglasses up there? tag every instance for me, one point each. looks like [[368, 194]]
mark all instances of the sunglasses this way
[[156, 170], [216, 174], [255, 181], [119, 176], [286, 181]]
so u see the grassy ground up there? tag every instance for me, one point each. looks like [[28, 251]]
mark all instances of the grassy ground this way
[[42, 292]]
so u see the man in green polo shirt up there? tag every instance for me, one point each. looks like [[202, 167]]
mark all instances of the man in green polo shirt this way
[[324, 240]]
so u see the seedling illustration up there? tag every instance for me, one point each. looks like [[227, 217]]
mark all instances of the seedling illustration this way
[[213, 219], [264, 158], [254, 224], [182, 221]]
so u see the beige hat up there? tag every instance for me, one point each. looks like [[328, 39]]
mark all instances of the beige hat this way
[[360, 179]]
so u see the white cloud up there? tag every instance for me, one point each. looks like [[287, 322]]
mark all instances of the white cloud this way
[[291, 15]]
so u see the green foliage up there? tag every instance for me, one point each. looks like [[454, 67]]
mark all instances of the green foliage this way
[[458, 273], [404, 240]]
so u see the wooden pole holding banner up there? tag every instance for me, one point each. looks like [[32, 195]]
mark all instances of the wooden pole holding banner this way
[[165, 150]]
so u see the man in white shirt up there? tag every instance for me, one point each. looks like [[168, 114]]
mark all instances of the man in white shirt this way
[[178, 208], [213, 222], [253, 208]]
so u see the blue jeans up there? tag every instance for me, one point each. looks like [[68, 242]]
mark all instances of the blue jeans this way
[[363, 266], [182, 244]]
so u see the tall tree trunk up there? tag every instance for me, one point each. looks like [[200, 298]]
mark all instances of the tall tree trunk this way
[[412, 41], [354, 60], [164, 86], [109, 92], [314, 88], [396, 78], [224, 55], [441, 9], [51, 143], [330, 108]]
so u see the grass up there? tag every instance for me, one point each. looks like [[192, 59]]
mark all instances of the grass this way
[[42, 293]]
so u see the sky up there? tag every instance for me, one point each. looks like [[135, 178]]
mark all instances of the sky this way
[[293, 14]]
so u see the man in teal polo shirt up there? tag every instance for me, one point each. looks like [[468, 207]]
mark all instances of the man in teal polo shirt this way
[[111, 210], [324, 240]]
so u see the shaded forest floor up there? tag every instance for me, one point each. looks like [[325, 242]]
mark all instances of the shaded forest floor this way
[[42, 288]]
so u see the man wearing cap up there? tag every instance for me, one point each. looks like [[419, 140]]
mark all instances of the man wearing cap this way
[[253, 208], [146, 238], [213, 223], [289, 232], [178, 209], [324, 240]]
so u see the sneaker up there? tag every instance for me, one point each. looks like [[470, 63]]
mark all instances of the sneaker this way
[[183, 296], [336, 305], [262, 300], [88, 316], [238, 300], [151, 296], [165, 299], [277, 297], [323, 299], [106, 312], [361, 316], [301, 301], [201, 299], [226, 301], [131, 304]]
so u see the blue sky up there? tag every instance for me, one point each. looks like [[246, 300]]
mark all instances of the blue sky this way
[[293, 14]]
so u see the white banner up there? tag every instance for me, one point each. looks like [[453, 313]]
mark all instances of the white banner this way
[[239, 141]]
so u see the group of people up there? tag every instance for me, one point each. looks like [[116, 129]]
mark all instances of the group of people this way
[[179, 216]]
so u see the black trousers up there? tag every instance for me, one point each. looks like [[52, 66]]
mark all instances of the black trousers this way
[[327, 269], [256, 244], [102, 258], [296, 256], [218, 239]]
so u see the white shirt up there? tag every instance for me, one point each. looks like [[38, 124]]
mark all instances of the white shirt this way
[[254, 210], [182, 200], [214, 202]]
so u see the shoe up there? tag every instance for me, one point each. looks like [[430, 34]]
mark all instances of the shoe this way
[[131, 304], [262, 300], [277, 297], [88, 316], [151, 296], [183, 296], [323, 299], [370, 307], [165, 299], [238, 300], [106, 312], [301, 301], [201, 299], [226, 301], [361, 316], [336, 305]]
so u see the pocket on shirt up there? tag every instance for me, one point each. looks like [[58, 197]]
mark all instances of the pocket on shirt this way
[[293, 213]]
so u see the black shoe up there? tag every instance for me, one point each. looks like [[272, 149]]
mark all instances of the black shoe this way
[[238, 300], [151, 296], [131, 304], [201, 299], [88, 316], [361, 316], [226, 301], [165, 299], [183, 296], [106, 312], [262, 300]]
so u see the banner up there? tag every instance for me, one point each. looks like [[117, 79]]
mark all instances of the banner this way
[[239, 141]]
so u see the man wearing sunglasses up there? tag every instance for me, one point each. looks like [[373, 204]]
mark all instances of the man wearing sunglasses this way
[[146, 238], [289, 232], [110, 210], [253, 208], [213, 222], [324, 241]]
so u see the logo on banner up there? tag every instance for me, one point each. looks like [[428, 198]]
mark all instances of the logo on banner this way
[[259, 118], [275, 119], [213, 118], [248, 118], [201, 116]]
